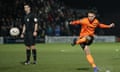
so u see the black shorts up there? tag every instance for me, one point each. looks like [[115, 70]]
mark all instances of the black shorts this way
[[89, 41], [29, 39]]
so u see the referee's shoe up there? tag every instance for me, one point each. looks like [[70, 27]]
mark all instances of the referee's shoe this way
[[26, 63], [34, 62]]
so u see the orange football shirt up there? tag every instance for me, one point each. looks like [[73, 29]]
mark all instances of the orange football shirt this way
[[88, 28]]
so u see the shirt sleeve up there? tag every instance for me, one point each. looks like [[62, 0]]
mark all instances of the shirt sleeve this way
[[75, 22], [35, 19], [104, 26], [80, 21]]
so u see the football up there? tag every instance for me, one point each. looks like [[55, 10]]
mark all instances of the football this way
[[14, 31]]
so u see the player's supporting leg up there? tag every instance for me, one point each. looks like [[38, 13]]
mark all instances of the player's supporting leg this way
[[90, 58], [34, 53], [28, 54]]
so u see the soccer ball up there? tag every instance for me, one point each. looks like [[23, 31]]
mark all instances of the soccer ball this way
[[14, 31]]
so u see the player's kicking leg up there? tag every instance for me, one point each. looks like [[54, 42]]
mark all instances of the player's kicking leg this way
[[79, 41], [74, 41]]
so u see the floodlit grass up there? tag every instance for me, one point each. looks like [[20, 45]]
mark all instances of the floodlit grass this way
[[60, 58]]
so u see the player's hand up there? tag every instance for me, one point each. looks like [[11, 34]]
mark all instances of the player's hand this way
[[22, 35], [35, 33], [112, 25], [70, 23]]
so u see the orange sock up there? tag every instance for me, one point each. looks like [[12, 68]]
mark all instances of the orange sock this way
[[91, 60], [81, 40]]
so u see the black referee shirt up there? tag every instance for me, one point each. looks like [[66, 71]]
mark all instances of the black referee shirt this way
[[30, 20]]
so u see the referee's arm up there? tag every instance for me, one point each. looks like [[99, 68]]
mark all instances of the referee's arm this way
[[23, 31], [36, 27]]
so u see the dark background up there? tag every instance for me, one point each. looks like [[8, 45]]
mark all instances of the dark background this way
[[109, 10], [104, 6]]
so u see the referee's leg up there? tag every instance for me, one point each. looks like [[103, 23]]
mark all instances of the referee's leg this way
[[28, 54], [34, 53]]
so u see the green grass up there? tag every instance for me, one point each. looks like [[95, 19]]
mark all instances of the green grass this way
[[60, 58]]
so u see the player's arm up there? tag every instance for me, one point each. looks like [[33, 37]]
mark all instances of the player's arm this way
[[75, 22], [106, 26]]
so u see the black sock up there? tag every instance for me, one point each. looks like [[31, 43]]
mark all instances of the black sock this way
[[34, 54], [28, 53]]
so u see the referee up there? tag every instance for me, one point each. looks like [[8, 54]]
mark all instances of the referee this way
[[29, 32]]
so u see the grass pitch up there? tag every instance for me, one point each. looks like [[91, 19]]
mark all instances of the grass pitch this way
[[60, 58]]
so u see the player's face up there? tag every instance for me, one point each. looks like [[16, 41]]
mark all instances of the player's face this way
[[91, 16], [27, 8]]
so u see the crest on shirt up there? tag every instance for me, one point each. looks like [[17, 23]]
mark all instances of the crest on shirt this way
[[28, 19], [95, 24]]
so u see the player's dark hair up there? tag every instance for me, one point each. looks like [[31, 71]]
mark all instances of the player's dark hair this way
[[92, 11]]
